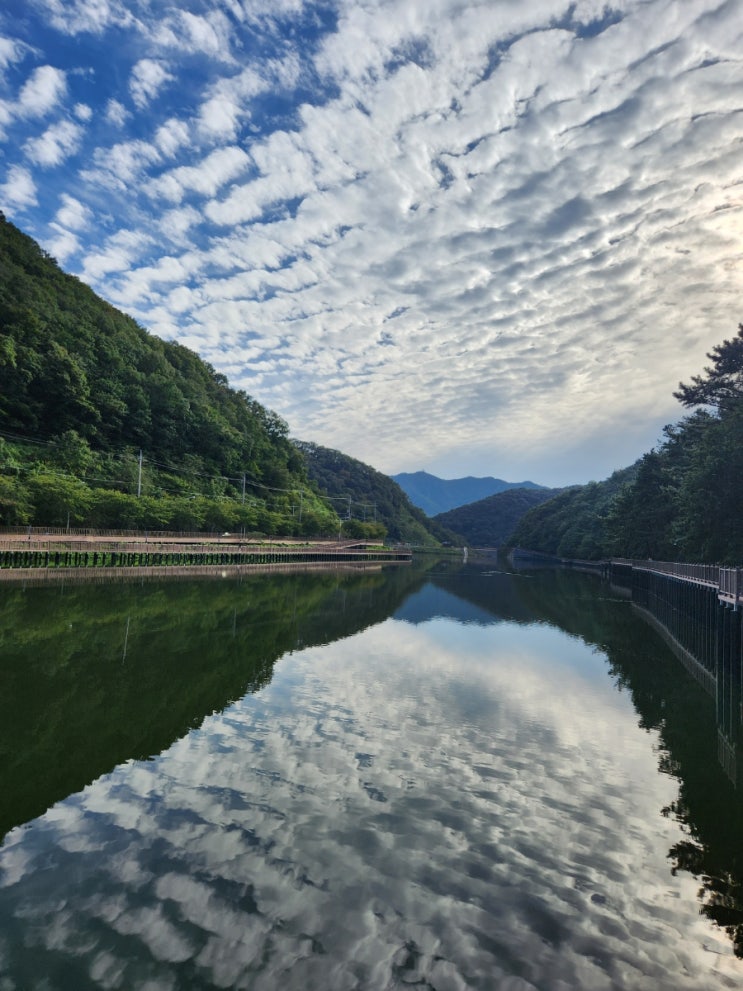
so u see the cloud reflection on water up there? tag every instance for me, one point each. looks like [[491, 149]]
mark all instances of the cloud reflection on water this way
[[470, 806]]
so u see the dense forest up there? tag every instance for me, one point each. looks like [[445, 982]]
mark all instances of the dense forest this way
[[105, 425], [490, 522], [370, 501], [680, 501], [84, 389]]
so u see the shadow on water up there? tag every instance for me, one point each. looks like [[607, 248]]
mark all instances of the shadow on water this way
[[95, 675]]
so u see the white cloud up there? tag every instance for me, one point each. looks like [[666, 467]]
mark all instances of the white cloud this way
[[227, 103], [175, 224], [19, 189], [11, 50], [63, 243], [85, 16], [219, 167], [83, 112], [42, 91], [185, 32], [147, 79], [171, 136], [207, 34], [73, 214], [121, 164], [219, 118], [57, 143], [6, 116], [116, 113], [117, 256]]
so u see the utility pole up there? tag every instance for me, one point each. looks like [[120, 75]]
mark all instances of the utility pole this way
[[139, 477], [243, 501], [300, 505]]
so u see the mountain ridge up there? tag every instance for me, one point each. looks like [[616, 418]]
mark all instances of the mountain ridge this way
[[436, 495]]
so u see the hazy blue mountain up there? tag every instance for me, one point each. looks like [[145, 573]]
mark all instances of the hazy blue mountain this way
[[437, 495]]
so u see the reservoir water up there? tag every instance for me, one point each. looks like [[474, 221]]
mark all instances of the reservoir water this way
[[444, 778]]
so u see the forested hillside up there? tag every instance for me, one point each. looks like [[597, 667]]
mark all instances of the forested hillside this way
[[490, 522], [680, 501], [575, 522], [84, 389], [369, 499]]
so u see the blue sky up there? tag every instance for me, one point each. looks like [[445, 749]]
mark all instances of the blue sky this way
[[473, 238]]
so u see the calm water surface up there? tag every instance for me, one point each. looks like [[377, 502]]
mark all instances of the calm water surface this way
[[452, 780]]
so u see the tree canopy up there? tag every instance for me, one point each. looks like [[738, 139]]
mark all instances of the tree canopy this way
[[721, 384]]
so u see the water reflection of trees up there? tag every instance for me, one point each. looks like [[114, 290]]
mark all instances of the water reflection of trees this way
[[667, 700], [94, 675]]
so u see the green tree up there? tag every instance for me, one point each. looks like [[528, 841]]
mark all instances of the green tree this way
[[58, 501], [73, 453], [721, 384], [642, 515], [15, 504]]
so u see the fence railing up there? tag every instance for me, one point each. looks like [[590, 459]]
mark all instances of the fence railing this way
[[61, 531], [709, 573], [731, 582], [727, 581]]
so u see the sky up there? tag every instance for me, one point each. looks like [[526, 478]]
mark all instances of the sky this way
[[475, 238]]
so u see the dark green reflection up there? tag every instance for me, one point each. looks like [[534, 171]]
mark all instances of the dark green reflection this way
[[94, 675], [667, 700]]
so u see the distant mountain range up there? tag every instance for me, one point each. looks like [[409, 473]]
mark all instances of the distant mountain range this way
[[438, 495]]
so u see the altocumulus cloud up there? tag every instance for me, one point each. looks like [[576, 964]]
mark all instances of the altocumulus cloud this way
[[471, 237]]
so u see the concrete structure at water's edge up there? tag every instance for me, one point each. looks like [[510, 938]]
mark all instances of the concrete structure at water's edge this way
[[37, 553], [698, 609]]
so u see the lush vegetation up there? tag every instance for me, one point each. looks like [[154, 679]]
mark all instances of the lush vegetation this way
[[84, 389], [370, 503], [490, 522], [573, 523], [680, 501]]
